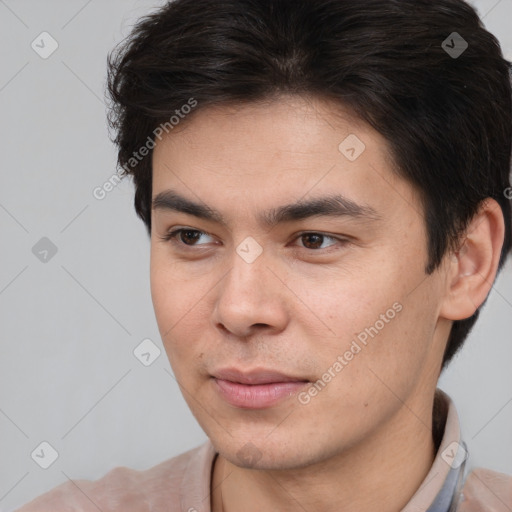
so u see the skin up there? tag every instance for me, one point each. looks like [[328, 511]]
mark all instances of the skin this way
[[303, 301]]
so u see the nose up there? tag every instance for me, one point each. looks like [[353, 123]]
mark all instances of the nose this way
[[252, 297]]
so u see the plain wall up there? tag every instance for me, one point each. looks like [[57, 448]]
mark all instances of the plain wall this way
[[69, 325]]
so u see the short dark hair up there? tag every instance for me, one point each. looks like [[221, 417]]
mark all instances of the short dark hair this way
[[446, 117]]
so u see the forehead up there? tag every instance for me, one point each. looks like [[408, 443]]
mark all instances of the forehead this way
[[279, 110], [288, 147], [290, 129]]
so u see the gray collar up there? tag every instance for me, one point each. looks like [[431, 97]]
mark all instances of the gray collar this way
[[441, 488], [448, 497]]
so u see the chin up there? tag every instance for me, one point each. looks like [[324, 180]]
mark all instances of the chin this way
[[282, 452]]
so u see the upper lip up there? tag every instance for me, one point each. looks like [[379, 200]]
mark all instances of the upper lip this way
[[256, 376]]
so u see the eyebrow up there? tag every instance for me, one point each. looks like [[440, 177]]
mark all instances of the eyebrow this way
[[335, 205]]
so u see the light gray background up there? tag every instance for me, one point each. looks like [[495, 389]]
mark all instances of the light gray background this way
[[69, 326]]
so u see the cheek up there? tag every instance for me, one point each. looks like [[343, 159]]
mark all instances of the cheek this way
[[170, 302], [181, 303], [377, 322], [162, 295], [390, 350], [354, 300], [173, 291]]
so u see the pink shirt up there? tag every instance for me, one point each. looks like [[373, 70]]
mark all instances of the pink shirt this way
[[182, 484]]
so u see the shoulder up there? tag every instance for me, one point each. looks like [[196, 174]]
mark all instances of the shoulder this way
[[486, 491], [124, 489]]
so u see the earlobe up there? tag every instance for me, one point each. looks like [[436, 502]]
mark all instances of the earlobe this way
[[473, 267]]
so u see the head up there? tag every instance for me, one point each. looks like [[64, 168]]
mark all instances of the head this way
[[340, 178]]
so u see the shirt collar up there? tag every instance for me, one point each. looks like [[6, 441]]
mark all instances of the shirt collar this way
[[440, 490]]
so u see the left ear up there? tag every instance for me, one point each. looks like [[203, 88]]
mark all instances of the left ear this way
[[473, 267]]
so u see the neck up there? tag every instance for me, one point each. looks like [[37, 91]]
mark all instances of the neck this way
[[381, 473]]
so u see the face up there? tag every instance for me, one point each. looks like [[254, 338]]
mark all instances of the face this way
[[291, 331]]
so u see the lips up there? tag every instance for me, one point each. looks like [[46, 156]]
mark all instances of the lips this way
[[255, 389]]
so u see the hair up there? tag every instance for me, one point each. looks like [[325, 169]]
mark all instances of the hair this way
[[446, 117]]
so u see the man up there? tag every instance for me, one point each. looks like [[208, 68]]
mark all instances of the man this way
[[326, 188]]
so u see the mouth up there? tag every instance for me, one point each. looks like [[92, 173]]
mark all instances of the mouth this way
[[256, 389]]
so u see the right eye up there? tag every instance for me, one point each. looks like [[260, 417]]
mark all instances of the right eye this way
[[182, 236]]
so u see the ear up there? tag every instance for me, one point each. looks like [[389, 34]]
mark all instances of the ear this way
[[473, 267]]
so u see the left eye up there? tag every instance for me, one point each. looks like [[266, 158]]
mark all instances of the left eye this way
[[315, 239], [188, 237]]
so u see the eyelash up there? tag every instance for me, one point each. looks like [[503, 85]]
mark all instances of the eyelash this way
[[172, 237]]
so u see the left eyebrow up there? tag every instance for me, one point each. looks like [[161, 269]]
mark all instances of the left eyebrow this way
[[329, 206]]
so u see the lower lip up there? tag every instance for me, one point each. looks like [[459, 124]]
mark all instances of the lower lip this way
[[257, 396]]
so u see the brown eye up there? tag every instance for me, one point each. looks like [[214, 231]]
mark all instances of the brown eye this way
[[314, 241], [185, 236], [189, 235]]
